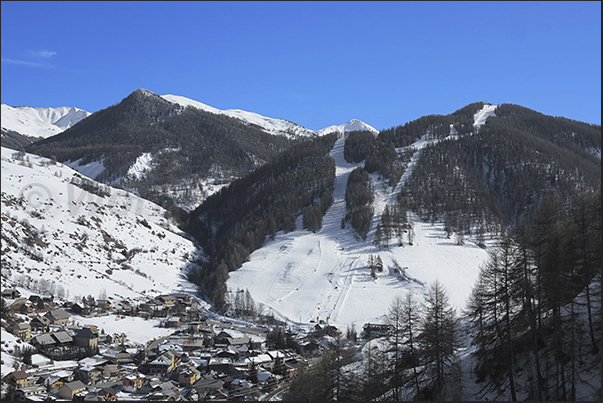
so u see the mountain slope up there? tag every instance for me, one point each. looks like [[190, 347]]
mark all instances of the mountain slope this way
[[270, 125], [166, 152], [501, 167], [23, 125], [302, 276], [40, 122], [65, 235], [352, 125]]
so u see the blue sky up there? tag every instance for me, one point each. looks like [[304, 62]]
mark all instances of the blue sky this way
[[314, 63]]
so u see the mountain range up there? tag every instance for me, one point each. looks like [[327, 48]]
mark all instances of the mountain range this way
[[23, 125], [172, 194], [170, 149]]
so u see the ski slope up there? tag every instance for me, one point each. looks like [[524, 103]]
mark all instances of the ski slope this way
[[304, 277]]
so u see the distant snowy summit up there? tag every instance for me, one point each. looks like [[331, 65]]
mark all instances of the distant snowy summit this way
[[40, 122], [270, 125], [352, 125]]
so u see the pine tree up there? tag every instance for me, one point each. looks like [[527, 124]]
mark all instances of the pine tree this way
[[438, 339]]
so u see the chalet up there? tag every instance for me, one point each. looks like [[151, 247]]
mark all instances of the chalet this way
[[22, 331], [54, 380], [221, 365], [167, 300], [307, 347], [238, 344], [62, 338], [171, 321], [19, 380], [187, 375], [10, 293], [191, 343], [86, 338], [103, 305], [111, 372], [43, 341], [264, 360], [70, 389], [123, 308], [36, 299], [80, 309], [40, 323], [106, 394], [164, 364], [27, 307], [30, 393], [209, 388], [131, 383], [58, 317], [220, 340], [376, 330], [90, 374], [118, 356], [166, 391], [17, 305]]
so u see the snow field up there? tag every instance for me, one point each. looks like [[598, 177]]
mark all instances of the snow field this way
[[305, 277]]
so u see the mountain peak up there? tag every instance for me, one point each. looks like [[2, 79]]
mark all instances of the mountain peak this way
[[352, 125], [40, 121]]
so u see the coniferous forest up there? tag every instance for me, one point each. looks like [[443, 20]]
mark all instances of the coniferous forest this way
[[534, 321]]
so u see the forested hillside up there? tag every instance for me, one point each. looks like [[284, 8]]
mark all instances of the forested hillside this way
[[236, 221], [502, 170], [184, 146], [531, 329]]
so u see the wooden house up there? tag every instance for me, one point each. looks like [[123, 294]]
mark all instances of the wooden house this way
[[86, 338], [22, 330], [58, 316], [70, 389], [19, 380], [40, 323], [10, 293]]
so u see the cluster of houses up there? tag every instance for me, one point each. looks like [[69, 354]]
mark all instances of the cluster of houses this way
[[199, 361]]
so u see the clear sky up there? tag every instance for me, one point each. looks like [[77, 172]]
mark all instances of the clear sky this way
[[314, 63]]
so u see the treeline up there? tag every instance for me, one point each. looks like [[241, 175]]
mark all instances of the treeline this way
[[436, 125], [234, 222], [534, 318]]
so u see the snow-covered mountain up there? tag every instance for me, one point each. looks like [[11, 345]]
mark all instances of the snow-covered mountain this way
[[270, 125], [352, 125], [40, 122], [65, 235], [304, 277]]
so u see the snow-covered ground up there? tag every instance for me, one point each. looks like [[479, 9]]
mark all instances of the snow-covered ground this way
[[59, 237], [483, 114], [270, 125], [40, 122], [350, 126], [304, 277]]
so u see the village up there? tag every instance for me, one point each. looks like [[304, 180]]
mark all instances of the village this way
[[201, 359]]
